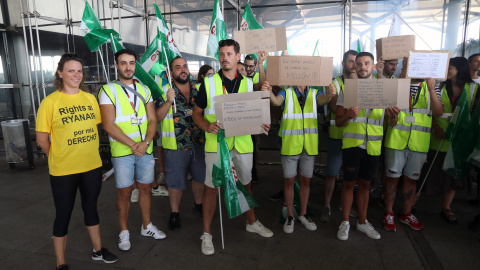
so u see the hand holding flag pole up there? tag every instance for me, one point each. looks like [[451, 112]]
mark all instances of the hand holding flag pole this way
[[169, 78]]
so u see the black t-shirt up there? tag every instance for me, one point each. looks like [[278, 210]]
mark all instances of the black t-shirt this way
[[231, 86]]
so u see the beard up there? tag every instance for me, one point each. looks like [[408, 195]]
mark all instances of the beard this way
[[180, 80], [125, 77]]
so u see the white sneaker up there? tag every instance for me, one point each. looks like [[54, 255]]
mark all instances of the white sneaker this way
[[153, 231], [207, 244], [289, 225], [161, 179], [258, 227], [343, 230], [134, 195], [124, 241], [368, 229], [307, 222], [160, 191]]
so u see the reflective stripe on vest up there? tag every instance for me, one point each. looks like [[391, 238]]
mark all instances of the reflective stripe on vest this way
[[299, 130], [214, 87], [365, 127], [123, 117], [415, 136], [169, 140], [334, 131]]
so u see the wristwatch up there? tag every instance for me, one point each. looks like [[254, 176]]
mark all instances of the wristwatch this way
[[148, 144]]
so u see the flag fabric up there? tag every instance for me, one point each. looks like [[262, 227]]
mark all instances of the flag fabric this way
[[140, 74], [217, 32], [395, 27], [166, 38], [248, 19], [460, 135], [316, 51], [150, 60], [249, 23], [91, 30], [237, 198]]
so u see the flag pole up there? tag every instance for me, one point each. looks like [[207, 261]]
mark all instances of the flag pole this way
[[103, 65], [220, 213], [169, 78], [428, 172]]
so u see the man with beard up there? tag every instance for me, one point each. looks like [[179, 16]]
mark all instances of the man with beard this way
[[334, 151], [362, 143], [129, 119], [227, 80], [182, 140], [386, 68]]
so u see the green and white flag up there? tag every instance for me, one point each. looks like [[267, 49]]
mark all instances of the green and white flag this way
[[151, 59], [237, 198], [217, 32], [248, 19], [166, 39], [250, 23], [460, 135], [140, 74], [91, 30]]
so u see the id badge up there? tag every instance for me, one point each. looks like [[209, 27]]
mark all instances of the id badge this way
[[136, 121], [410, 119], [188, 112]]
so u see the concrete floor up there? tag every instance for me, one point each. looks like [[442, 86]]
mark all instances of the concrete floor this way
[[27, 218]]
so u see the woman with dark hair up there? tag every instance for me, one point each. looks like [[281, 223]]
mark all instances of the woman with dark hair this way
[[70, 117], [458, 80], [204, 72]]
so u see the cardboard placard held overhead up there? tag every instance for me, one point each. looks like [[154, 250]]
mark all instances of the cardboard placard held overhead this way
[[428, 64], [267, 39], [395, 47], [243, 113], [299, 70], [377, 94]]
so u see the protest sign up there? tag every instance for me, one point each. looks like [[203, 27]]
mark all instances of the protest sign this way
[[266, 39], [391, 48], [377, 93], [299, 70], [428, 64]]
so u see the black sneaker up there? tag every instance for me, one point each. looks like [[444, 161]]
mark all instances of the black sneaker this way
[[255, 179], [197, 209], [63, 267], [277, 196], [104, 255], [174, 221]]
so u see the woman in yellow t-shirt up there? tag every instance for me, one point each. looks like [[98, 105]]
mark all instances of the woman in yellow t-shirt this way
[[70, 116]]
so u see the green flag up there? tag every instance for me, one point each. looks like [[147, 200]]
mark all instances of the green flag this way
[[237, 198], [140, 74], [249, 23], [359, 47], [217, 32], [316, 51], [474, 157], [91, 30], [150, 60], [460, 135], [166, 39]]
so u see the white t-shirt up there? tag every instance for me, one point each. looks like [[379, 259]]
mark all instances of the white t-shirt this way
[[105, 100], [477, 80]]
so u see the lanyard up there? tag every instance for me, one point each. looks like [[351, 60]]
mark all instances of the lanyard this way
[[234, 85], [134, 103]]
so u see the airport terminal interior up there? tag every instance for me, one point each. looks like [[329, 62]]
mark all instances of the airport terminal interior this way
[[34, 34]]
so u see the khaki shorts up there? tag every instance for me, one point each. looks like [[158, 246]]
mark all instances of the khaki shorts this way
[[243, 166]]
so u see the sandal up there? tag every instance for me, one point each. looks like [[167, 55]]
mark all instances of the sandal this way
[[449, 216]]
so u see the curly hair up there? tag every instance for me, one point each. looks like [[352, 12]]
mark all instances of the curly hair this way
[[58, 83]]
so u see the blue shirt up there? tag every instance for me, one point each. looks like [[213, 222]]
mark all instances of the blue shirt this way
[[300, 96]]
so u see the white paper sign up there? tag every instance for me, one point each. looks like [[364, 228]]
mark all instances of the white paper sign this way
[[428, 64]]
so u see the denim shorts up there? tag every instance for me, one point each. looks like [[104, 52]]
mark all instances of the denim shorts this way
[[334, 157], [304, 162], [178, 163], [128, 168], [406, 162]]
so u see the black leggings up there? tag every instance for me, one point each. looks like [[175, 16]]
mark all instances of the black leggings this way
[[64, 189]]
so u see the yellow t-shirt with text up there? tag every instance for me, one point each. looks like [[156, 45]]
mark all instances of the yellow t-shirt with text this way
[[72, 122]]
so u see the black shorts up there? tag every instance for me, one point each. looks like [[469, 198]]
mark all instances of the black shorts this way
[[358, 164]]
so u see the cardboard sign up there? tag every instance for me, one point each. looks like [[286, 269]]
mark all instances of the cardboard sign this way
[[428, 64], [267, 39], [377, 93], [395, 47], [299, 70], [243, 113]]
